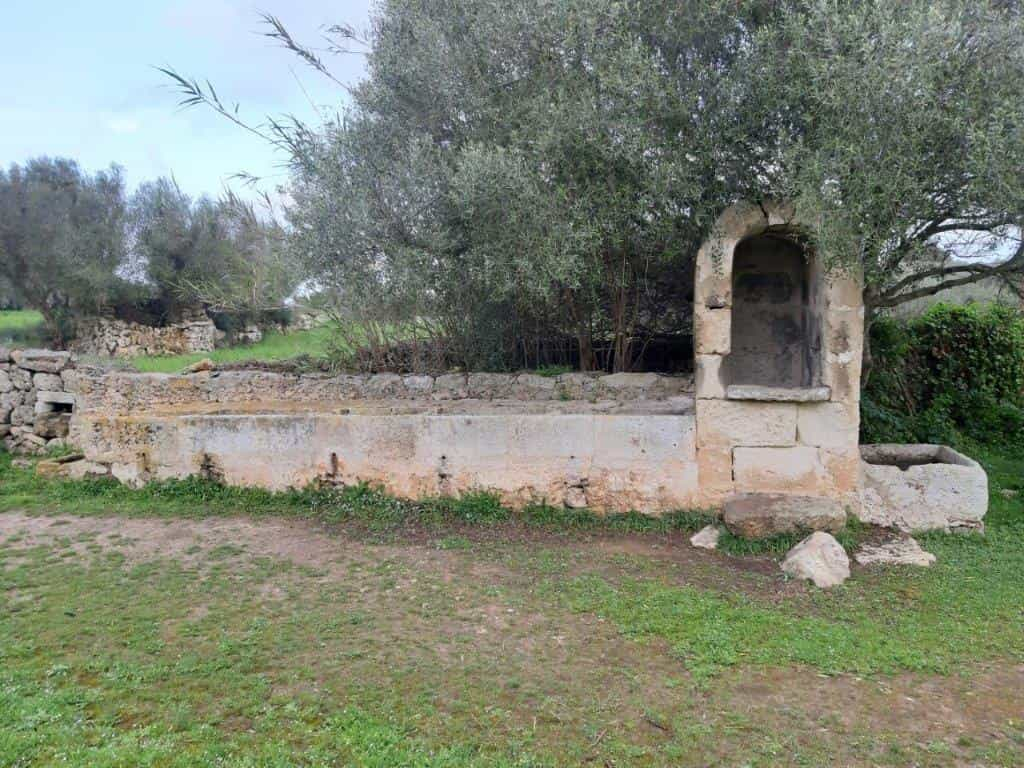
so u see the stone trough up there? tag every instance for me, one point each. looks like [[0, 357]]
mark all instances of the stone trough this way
[[916, 488]]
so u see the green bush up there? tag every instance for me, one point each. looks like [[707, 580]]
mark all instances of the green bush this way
[[955, 370]]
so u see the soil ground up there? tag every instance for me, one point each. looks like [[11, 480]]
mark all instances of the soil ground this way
[[462, 646]]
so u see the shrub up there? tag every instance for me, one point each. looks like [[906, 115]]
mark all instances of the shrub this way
[[955, 370]]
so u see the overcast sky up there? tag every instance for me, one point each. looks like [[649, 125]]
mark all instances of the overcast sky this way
[[79, 82]]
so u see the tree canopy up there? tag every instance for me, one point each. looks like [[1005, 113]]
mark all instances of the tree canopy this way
[[61, 238], [521, 170]]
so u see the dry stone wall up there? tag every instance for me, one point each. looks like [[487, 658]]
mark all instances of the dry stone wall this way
[[35, 404], [105, 337]]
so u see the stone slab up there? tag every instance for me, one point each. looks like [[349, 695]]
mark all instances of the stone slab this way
[[42, 360], [777, 394], [761, 515]]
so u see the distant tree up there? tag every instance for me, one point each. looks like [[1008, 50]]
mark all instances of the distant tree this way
[[507, 165], [61, 239], [257, 274], [176, 243]]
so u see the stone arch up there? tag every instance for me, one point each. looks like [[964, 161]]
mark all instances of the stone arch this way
[[777, 359]]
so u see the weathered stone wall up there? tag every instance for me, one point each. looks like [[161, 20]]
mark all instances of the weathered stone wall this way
[[35, 406], [117, 338], [760, 437], [611, 443]]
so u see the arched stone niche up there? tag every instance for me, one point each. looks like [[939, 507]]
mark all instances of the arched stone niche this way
[[778, 352]]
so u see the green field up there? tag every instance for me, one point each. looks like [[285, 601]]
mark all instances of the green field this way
[[190, 624], [22, 327], [274, 346]]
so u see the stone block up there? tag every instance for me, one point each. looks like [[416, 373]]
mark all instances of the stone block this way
[[532, 386], [796, 469], [726, 423], [709, 379], [712, 331], [451, 386], [488, 386], [764, 394], [45, 400], [21, 379], [6, 385], [23, 414], [418, 385], [714, 473], [44, 360], [828, 425], [707, 537], [5, 355], [844, 292], [12, 399], [48, 381], [618, 382], [51, 425], [761, 515], [79, 470]]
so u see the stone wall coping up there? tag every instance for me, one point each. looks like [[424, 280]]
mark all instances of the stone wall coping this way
[[262, 385]]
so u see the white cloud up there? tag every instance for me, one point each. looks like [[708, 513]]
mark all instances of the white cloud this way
[[123, 126]]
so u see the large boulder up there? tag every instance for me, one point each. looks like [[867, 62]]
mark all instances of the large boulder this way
[[818, 558], [761, 515], [915, 488]]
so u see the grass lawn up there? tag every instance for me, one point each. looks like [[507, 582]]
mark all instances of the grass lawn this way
[[188, 624], [274, 346], [22, 327]]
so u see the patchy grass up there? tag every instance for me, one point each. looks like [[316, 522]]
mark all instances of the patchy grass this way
[[206, 625], [273, 347], [22, 328]]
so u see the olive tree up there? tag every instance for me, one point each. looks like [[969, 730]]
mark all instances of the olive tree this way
[[511, 165], [61, 239]]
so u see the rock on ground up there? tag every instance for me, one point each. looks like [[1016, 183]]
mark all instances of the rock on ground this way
[[818, 558], [206, 364], [706, 537], [897, 551], [760, 515]]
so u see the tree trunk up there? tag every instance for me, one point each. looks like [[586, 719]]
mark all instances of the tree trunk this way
[[867, 361], [586, 342]]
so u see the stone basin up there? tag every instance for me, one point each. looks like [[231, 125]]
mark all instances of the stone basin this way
[[916, 488]]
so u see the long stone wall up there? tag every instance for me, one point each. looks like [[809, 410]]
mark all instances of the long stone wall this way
[[35, 406], [611, 443], [105, 337]]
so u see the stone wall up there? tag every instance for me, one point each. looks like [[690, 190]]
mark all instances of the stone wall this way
[[611, 443], [35, 406], [105, 337]]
